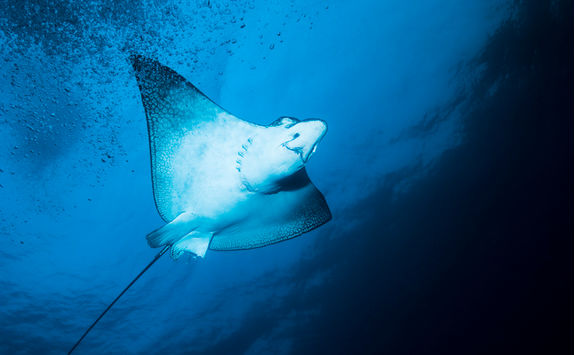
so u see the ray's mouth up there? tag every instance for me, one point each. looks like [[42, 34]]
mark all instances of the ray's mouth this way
[[306, 145], [297, 150], [309, 154], [302, 154]]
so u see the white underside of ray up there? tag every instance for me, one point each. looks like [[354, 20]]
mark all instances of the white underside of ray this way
[[202, 170], [197, 186]]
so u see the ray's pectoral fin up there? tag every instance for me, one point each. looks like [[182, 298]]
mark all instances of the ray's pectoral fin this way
[[173, 231], [195, 242]]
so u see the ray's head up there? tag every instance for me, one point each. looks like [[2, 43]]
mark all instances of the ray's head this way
[[280, 151], [301, 137]]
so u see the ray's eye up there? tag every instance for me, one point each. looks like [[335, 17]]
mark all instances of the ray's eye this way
[[295, 135]]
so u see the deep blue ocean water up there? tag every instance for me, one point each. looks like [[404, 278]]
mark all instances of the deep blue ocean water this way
[[448, 168]]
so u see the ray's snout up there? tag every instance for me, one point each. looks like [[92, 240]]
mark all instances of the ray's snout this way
[[309, 134], [318, 129]]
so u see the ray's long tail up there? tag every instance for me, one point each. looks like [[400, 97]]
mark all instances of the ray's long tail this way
[[159, 255]]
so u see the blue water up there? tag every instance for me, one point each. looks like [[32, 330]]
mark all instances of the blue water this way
[[447, 167]]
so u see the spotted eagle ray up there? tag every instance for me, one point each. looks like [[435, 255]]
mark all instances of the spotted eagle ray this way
[[220, 182]]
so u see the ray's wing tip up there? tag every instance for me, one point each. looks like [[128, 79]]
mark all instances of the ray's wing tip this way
[[329, 216]]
